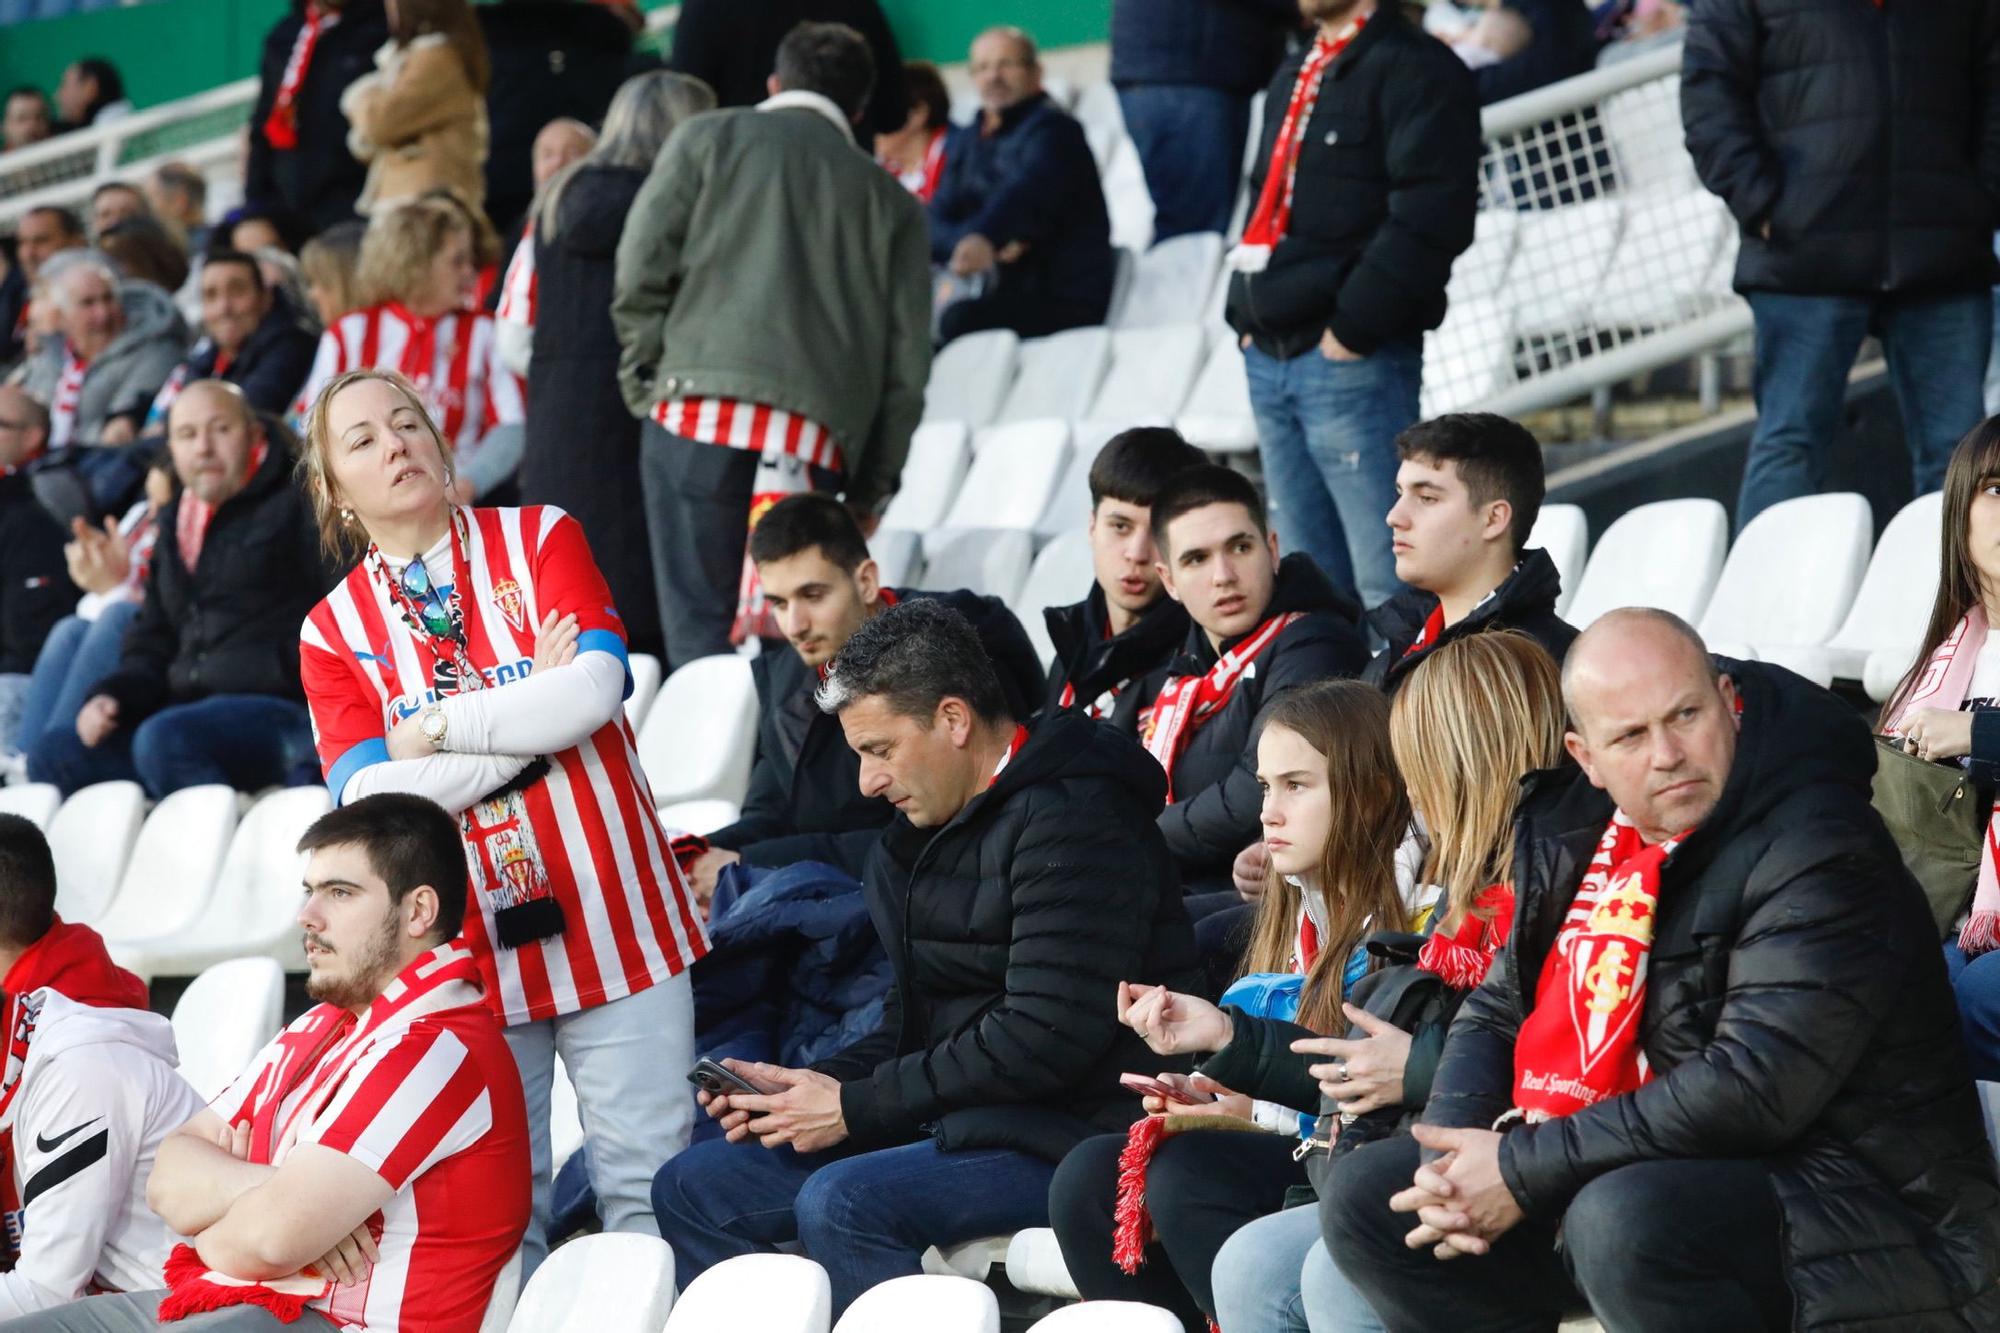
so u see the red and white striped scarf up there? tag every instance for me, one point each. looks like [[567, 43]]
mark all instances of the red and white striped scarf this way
[[69, 393], [1272, 217], [1463, 957], [191, 522], [1186, 702], [281, 127]]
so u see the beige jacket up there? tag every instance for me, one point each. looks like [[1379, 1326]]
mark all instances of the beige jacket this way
[[418, 123]]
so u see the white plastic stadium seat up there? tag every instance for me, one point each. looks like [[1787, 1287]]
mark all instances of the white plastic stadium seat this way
[[1035, 1265], [702, 817], [699, 739], [618, 1282], [174, 866], [1123, 265], [565, 1120], [1666, 554], [1152, 370], [969, 1259], [1892, 609], [924, 1303], [1127, 199], [771, 1293], [1885, 669], [970, 376], [1172, 281], [91, 838], [1103, 120], [1069, 503], [1661, 267], [1108, 1317], [224, 1018], [1059, 375], [647, 672], [1792, 574], [990, 561], [1564, 533], [1062, 574], [1482, 269], [899, 556], [36, 802], [506, 1291], [1560, 264], [1217, 414], [254, 908], [940, 451], [1014, 471], [1470, 357]]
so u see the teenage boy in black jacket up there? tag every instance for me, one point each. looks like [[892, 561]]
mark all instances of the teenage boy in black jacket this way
[[804, 802], [1127, 627], [1021, 880], [1467, 494]]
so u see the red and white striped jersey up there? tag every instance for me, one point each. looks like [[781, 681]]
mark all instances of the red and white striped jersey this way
[[519, 288], [630, 921], [451, 359], [749, 426], [422, 1090]]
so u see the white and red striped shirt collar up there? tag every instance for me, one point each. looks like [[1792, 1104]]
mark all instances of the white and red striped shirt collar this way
[[69, 394], [752, 426]]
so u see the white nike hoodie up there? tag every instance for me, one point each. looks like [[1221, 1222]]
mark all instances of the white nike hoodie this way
[[97, 1095]]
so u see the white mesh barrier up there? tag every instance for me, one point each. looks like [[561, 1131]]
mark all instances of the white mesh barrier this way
[[1597, 254]]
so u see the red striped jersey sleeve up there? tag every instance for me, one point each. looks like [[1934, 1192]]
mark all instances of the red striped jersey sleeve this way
[[407, 1106], [348, 729], [567, 581]]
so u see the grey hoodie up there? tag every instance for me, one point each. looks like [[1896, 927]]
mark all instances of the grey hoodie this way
[[127, 374]]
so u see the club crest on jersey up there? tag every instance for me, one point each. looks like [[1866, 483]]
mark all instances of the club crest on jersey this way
[[513, 604]]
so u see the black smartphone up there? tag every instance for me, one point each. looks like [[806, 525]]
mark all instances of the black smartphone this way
[[716, 1081]]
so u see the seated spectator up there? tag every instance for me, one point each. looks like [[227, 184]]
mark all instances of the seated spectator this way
[[178, 194], [119, 342], [112, 203], [91, 93], [299, 163], [1022, 878], [26, 120], [419, 118], [915, 152], [41, 232], [207, 687], [1127, 628], [1775, 1060], [330, 262], [251, 230], [1020, 202], [33, 590], [252, 337], [145, 251], [415, 282], [1467, 495], [732, 46], [310, 1175], [805, 801], [1334, 813], [89, 1095], [486, 252], [1260, 626]]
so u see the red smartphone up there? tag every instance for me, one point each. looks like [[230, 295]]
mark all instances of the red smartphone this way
[[1180, 1092]]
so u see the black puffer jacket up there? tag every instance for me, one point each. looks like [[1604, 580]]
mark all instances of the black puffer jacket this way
[[1228, 44], [231, 625], [1092, 662], [805, 801], [1525, 602], [35, 591], [317, 182], [1867, 136], [271, 365], [1387, 183], [1009, 929], [1796, 1012], [1216, 798]]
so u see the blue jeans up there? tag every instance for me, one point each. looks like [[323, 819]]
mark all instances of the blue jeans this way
[[1190, 142], [1976, 982], [1936, 348], [865, 1217], [245, 741], [1274, 1276], [77, 654], [1327, 433]]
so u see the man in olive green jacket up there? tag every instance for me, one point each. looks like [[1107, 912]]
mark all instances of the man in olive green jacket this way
[[773, 308]]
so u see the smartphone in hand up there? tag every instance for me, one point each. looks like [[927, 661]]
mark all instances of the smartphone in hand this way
[[715, 1080], [1173, 1088]]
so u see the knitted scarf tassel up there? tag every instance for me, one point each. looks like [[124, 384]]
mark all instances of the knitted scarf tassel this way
[[1133, 1225], [193, 1292]]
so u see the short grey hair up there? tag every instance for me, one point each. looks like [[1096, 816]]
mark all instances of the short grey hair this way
[[59, 267], [1626, 615], [914, 656]]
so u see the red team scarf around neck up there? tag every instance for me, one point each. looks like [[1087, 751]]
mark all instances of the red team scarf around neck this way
[[1186, 702], [1272, 217]]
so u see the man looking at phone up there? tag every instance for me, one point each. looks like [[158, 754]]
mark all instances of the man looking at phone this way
[[1023, 876]]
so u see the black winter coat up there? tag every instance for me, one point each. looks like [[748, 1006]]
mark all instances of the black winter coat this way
[[1033, 180], [1526, 601], [1867, 137], [732, 45], [35, 591], [1092, 663], [582, 449], [1216, 799], [1796, 1012], [805, 801], [1387, 183], [1229, 44], [271, 365], [317, 182], [1009, 929], [230, 626]]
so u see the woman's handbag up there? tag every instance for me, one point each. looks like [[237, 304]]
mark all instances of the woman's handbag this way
[[1938, 818]]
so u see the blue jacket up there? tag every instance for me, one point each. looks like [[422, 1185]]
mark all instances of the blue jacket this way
[[1035, 181], [1230, 44]]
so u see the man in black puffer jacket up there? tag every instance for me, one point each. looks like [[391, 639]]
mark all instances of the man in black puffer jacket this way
[[1021, 882], [1858, 147], [1725, 1016]]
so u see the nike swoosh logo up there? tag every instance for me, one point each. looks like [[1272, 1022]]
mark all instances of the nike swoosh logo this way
[[43, 1143]]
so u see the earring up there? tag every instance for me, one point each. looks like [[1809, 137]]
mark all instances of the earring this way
[[347, 516]]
